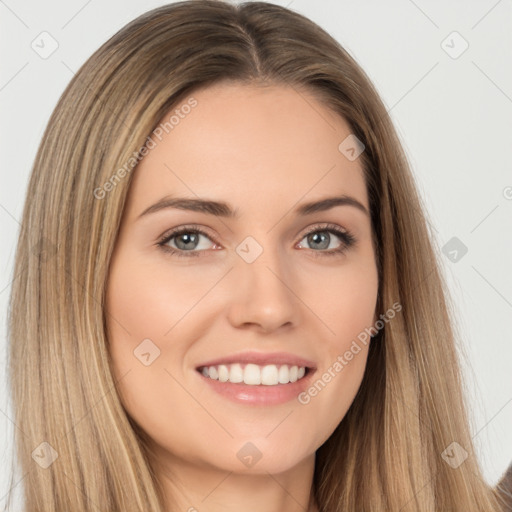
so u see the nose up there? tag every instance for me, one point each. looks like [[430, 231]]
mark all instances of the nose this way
[[263, 295]]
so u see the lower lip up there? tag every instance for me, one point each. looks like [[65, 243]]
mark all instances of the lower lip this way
[[259, 394]]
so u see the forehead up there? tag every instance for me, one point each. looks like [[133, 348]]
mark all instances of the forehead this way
[[250, 145]]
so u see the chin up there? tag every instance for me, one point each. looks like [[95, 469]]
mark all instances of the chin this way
[[264, 455], [266, 465]]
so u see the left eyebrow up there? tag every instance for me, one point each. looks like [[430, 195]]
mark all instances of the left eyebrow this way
[[328, 203], [222, 209]]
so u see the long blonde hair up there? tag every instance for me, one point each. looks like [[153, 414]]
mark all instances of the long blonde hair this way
[[386, 454]]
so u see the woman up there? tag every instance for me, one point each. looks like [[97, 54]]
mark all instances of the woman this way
[[255, 369]]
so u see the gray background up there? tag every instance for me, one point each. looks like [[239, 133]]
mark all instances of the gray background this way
[[453, 113]]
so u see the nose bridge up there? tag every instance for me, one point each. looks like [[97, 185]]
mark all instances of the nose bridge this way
[[263, 283]]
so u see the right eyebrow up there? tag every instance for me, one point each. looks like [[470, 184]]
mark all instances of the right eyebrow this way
[[217, 208]]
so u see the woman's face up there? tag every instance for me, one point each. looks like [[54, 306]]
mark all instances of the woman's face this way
[[266, 286]]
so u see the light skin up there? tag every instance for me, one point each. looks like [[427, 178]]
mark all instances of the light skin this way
[[265, 152]]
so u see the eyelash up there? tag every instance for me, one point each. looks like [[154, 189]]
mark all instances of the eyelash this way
[[347, 238]]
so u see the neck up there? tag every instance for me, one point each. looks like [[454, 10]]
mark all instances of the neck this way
[[201, 488]]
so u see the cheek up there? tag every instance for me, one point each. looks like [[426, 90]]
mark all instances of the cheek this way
[[344, 299], [138, 308], [346, 305], [143, 304], [149, 300]]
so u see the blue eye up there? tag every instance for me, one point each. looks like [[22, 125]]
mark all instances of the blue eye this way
[[322, 237], [186, 240]]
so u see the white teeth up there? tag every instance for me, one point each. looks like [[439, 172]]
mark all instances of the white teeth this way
[[253, 374], [269, 375], [223, 373], [236, 374], [284, 375]]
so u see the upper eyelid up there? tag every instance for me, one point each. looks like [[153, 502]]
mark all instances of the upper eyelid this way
[[185, 229]]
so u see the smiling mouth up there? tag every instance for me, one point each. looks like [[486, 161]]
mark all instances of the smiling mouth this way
[[254, 375]]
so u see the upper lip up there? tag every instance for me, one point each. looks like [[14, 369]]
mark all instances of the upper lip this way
[[261, 358]]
